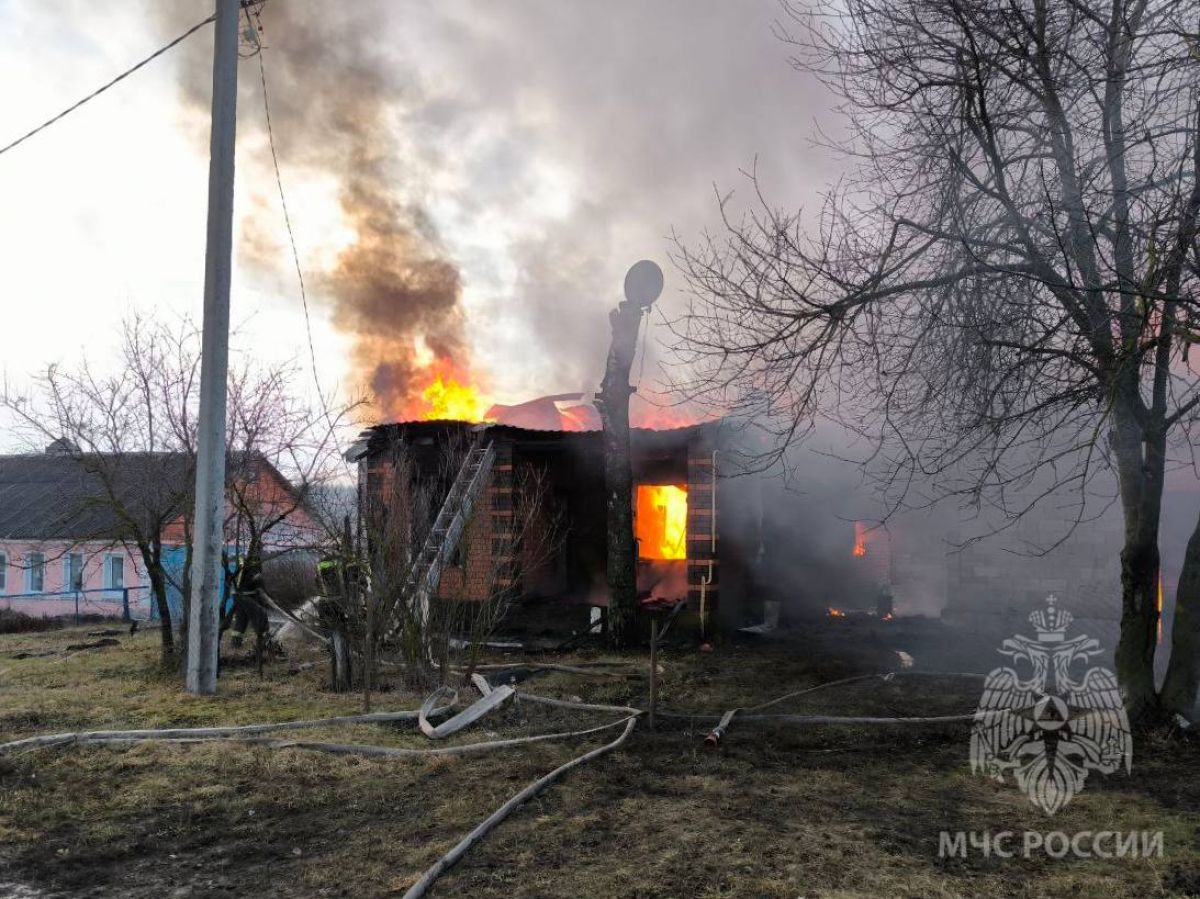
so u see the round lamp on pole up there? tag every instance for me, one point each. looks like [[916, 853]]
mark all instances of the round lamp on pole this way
[[643, 283]]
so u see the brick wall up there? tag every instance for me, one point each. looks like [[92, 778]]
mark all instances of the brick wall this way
[[486, 554]]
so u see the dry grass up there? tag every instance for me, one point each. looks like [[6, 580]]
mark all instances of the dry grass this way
[[776, 812]]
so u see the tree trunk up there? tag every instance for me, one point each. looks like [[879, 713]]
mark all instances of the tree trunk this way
[[613, 405], [158, 584], [342, 667], [358, 597], [152, 559], [1139, 629], [1140, 466], [1183, 671], [185, 596]]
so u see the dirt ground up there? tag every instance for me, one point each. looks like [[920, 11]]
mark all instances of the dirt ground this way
[[777, 811]]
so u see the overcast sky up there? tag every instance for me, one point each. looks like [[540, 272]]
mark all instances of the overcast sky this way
[[547, 146]]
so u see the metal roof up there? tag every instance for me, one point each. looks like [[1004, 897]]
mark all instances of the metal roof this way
[[62, 496], [89, 496]]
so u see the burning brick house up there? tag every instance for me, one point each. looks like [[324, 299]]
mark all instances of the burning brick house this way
[[684, 512], [731, 545]]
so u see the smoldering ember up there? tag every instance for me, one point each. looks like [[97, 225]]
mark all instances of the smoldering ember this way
[[680, 449]]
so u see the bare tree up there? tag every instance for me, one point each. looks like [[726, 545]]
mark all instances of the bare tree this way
[[281, 454], [1002, 295], [271, 431], [133, 432], [377, 604], [122, 429]]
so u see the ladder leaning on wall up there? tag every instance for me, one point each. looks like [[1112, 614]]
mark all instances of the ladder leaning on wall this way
[[448, 528]]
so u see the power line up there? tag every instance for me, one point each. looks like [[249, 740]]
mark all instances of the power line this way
[[287, 220], [157, 53]]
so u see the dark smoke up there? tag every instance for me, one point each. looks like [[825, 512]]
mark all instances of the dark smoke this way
[[390, 290], [617, 110], [335, 92]]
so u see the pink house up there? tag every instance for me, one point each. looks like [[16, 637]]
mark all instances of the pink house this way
[[66, 520], [49, 577], [60, 546]]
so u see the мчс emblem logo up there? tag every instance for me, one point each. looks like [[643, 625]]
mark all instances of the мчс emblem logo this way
[[1049, 719]]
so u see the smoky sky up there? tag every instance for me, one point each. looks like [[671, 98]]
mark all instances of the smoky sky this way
[[650, 106], [393, 288], [503, 164]]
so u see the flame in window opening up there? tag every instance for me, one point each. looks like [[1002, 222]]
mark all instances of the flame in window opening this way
[[860, 539], [661, 521]]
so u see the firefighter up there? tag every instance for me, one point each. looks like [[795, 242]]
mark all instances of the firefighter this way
[[247, 579], [249, 605], [329, 577], [333, 613]]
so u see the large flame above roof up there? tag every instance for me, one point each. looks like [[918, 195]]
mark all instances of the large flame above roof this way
[[446, 398], [455, 396]]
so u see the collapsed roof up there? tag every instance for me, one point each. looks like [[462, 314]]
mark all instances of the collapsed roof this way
[[374, 440]]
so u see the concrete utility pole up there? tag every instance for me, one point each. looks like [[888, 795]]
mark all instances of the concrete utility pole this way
[[643, 284], [203, 624]]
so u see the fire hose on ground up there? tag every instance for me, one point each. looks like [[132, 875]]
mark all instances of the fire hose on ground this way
[[713, 738], [120, 738], [443, 864], [252, 733], [438, 868], [210, 733], [492, 698], [421, 887]]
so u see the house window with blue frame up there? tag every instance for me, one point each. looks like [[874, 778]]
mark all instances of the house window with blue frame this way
[[114, 572], [73, 572], [35, 572]]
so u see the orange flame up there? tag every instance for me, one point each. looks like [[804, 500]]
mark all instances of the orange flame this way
[[836, 613], [661, 521], [860, 539], [576, 418], [453, 395], [655, 417], [446, 398]]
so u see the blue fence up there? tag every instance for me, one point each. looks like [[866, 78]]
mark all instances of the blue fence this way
[[127, 603]]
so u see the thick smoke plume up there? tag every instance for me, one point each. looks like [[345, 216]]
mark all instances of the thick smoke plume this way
[[334, 97]]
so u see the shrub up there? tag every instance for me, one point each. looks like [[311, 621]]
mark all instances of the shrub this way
[[14, 622]]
